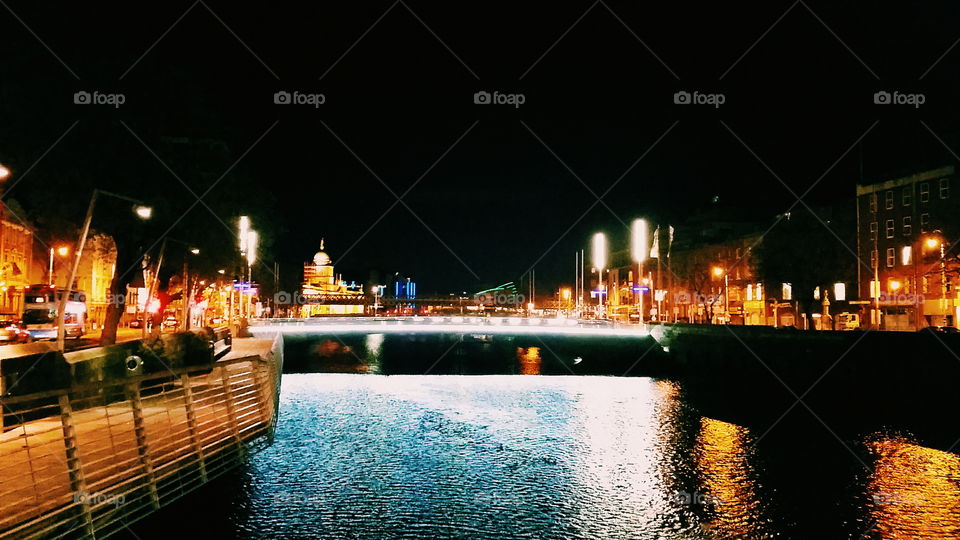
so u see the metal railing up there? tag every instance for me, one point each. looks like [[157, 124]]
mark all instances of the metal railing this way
[[94, 458]]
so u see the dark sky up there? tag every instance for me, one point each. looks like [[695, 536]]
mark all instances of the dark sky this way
[[491, 192]]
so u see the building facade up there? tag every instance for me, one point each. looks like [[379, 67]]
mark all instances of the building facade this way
[[326, 293], [16, 255], [906, 228]]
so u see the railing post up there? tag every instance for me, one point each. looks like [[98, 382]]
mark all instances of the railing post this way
[[263, 396], [192, 425], [78, 483], [139, 429], [231, 412]]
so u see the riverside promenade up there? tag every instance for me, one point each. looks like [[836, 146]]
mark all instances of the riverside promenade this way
[[84, 462]]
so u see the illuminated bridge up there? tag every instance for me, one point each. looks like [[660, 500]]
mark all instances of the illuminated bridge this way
[[446, 324]]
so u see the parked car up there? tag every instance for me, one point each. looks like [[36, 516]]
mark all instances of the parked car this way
[[136, 323], [171, 322], [11, 331]]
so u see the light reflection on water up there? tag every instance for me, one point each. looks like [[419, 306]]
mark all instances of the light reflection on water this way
[[913, 490], [372, 456]]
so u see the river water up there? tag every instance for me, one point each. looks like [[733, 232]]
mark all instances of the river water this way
[[361, 454]]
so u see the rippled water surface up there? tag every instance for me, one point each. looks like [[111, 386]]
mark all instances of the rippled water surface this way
[[494, 456]]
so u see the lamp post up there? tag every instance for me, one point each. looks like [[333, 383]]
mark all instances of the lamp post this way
[[598, 255], [251, 258], [142, 211], [63, 251], [718, 271], [638, 250]]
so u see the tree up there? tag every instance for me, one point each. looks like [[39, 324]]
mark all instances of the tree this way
[[808, 251]]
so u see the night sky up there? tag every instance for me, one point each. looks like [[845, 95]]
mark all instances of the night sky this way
[[493, 189]]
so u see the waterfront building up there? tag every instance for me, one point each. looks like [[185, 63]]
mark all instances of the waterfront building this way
[[326, 293], [906, 227]]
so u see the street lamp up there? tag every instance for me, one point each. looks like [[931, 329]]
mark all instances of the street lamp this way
[[598, 255], [141, 210], [638, 251], [718, 271], [251, 247], [4, 172], [62, 251]]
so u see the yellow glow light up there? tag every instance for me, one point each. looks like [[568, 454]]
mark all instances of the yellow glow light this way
[[932, 243], [894, 285], [63, 251], [717, 271]]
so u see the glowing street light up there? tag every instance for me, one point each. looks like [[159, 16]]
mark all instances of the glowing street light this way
[[598, 256], [143, 212], [895, 285], [933, 243], [251, 247], [639, 240], [719, 271], [195, 251], [4, 172], [244, 232], [63, 251], [598, 252]]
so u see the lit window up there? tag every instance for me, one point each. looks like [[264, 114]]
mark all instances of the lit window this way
[[907, 225], [907, 195], [759, 291], [925, 192], [891, 257], [888, 199], [873, 230], [924, 222], [873, 203], [787, 291], [839, 291], [816, 293], [944, 188], [890, 227], [906, 255], [874, 288]]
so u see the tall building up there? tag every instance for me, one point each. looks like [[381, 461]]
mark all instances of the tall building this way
[[326, 293], [16, 253], [905, 230]]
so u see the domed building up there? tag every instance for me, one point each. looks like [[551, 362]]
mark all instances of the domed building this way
[[326, 293]]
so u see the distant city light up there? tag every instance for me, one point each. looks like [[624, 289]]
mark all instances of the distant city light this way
[[598, 253], [638, 240]]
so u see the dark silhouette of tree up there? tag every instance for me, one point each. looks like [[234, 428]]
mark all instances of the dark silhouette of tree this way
[[808, 251]]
